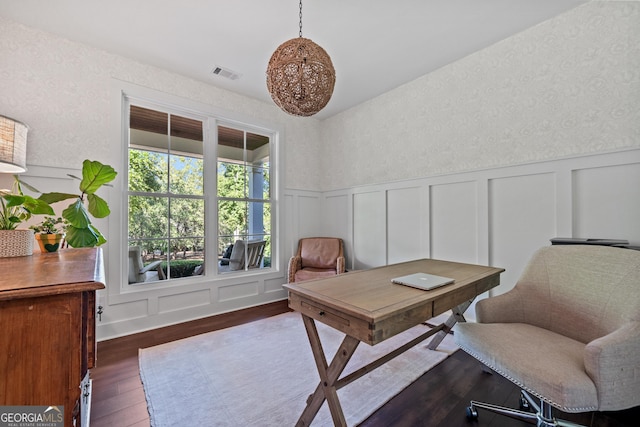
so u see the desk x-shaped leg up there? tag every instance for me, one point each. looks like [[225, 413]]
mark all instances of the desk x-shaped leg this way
[[457, 315], [329, 374], [330, 381]]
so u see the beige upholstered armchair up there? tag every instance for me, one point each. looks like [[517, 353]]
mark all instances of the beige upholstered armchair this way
[[568, 333], [316, 257]]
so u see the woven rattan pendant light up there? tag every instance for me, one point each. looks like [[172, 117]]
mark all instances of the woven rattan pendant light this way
[[300, 76]]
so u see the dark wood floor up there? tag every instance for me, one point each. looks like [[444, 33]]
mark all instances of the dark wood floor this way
[[438, 398]]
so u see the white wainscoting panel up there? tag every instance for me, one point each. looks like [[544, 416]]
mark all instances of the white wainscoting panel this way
[[335, 214], [406, 224], [522, 219], [302, 219], [309, 219], [497, 216], [454, 221], [237, 291], [290, 225], [369, 229], [273, 286], [184, 300], [607, 202], [128, 311]]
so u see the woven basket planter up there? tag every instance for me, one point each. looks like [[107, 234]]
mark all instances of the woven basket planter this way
[[16, 243]]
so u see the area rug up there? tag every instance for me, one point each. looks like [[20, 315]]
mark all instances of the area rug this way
[[261, 373]]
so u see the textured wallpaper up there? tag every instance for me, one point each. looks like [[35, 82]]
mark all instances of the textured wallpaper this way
[[61, 89], [568, 86]]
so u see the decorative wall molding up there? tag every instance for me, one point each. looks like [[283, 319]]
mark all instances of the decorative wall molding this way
[[495, 216]]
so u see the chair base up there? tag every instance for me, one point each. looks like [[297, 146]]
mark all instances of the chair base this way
[[541, 416]]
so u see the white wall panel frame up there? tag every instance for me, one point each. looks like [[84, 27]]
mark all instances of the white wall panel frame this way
[[407, 219], [369, 229], [454, 221], [522, 219], [584, 188], [562, 207], [605, 197], [335, 216], [304, 218]]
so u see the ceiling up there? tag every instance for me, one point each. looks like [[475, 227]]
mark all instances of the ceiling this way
[[375, 45]]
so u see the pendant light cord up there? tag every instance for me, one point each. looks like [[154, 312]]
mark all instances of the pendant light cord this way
[[300, 33]]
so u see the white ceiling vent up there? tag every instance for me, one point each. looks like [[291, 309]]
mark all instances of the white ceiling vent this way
[[226, 73]]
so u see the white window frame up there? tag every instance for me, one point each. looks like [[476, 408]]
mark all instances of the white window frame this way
[[212, 117]]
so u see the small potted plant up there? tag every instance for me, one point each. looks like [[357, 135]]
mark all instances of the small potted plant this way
[[49, 233], [16, 208]]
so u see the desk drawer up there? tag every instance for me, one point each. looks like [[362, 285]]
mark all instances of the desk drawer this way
[[343, 322]]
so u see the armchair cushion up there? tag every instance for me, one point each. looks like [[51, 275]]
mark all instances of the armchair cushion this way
[[544, 361], [313, 273]]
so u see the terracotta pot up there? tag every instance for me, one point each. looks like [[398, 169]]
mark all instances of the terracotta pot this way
[[16, 243], [49, 242]]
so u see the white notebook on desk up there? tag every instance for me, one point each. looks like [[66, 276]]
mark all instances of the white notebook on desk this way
[[423, 281]]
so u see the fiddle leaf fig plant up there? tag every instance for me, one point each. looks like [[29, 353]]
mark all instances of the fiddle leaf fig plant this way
[[80, 232]]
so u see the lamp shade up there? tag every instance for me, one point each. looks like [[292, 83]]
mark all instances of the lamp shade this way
[[13, 146], [300, 77]]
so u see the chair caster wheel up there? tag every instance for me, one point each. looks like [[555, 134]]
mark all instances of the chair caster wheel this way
[[472, 413]]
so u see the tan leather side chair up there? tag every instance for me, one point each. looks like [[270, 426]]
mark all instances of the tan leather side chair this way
[[317, 257]]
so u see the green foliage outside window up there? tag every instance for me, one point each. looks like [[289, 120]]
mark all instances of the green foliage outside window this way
[[167, 194], [154, 216]]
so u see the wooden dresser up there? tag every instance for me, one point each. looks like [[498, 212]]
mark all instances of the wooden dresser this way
[[47, 330]]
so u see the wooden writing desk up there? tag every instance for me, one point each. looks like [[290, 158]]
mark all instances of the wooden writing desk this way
[[368, 308]]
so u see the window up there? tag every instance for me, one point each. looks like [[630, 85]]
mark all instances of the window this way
[[169, 226], [244, 199]]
